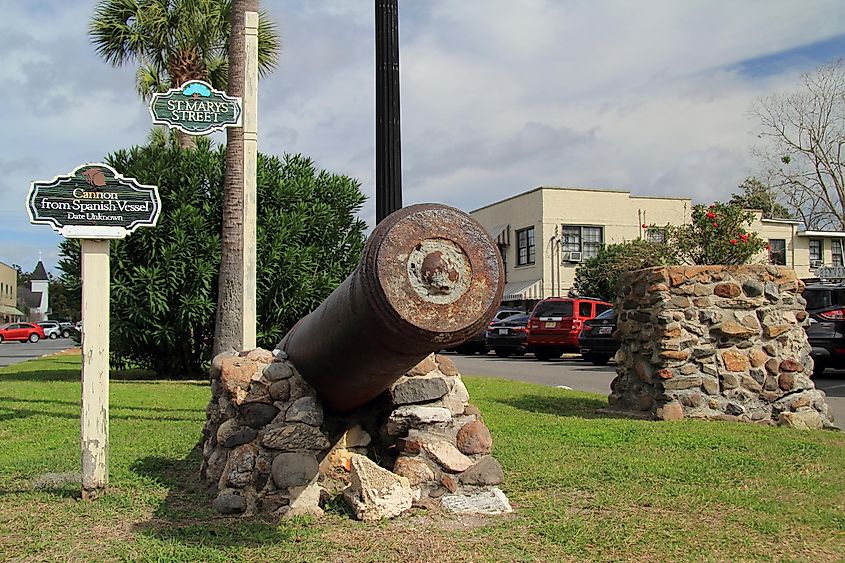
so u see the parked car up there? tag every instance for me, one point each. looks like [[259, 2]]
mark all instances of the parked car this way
[[52, 329], [826, 331], [556, 322], [21, 331], [477, 343], [507, 337], [597, 341]]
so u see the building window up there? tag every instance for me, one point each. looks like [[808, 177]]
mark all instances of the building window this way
[[777, 251], [815, 251], [655, 234], [525, 246], [586, 240], [836, 251]]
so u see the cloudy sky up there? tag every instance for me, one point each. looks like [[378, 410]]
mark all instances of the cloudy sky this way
[[498, 96]]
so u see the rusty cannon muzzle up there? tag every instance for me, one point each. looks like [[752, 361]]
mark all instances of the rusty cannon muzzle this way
[[430, 278]]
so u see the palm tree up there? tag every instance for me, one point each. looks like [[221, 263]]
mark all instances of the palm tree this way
[[173, 41], [229, 318]]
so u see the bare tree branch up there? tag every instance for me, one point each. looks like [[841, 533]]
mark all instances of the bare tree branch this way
[[802, 135]]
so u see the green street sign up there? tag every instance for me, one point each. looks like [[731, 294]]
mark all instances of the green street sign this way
[[93, 201], [196, 108]]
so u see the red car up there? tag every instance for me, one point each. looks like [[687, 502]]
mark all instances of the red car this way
[[21, 331], [556, 322]]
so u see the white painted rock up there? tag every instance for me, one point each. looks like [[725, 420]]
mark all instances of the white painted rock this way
[[411, 416], [375, 492], [493, 501]]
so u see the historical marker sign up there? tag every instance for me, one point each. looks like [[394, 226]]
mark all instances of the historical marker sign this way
[[196, 108], [93, 201]]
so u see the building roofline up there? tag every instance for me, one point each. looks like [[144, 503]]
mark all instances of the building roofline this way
[[563, 188], [781, 221], [834, 234]]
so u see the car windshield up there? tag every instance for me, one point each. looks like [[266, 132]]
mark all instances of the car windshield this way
[[553, 309], [516, 319], [605, 314], [824, 298]]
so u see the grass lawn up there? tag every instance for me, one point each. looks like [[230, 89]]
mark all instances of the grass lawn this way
[[584, 487]]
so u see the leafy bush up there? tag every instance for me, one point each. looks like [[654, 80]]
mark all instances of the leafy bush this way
[[164, 279], [718, 234], [596, 277]]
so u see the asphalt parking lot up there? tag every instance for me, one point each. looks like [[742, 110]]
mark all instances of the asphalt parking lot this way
[[16, 352], [575, 373]]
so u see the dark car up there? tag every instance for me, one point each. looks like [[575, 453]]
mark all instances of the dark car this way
[[507, 337], [556, 322], [596, 340], [22, 332], [826, 331], [477, 343]]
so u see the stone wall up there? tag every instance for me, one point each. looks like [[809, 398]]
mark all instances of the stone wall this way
[[723, 342], [269, 447]]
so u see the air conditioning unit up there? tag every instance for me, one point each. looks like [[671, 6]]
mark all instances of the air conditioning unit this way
[[571, 256], [816, 264]]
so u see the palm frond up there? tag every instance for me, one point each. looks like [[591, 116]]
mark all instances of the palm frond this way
[[148, 81], [269, 44]]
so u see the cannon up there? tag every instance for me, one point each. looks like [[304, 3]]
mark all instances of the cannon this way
[[430, 277]]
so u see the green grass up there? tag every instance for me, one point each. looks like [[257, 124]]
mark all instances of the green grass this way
[[584, 487]]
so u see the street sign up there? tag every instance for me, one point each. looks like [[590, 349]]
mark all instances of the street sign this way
[[93, 201], [196, 108]]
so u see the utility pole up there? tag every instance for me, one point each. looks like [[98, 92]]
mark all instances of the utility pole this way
[[388, 139]]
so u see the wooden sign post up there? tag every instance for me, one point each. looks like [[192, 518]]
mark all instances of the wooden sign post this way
[[196, 108], [94, 203]]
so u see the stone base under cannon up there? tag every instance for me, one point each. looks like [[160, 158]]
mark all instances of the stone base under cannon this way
[[271, 449]]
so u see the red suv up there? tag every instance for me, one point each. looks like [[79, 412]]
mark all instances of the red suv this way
[[556, 322]]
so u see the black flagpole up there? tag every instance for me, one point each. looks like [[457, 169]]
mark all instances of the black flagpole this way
[[388, 141]]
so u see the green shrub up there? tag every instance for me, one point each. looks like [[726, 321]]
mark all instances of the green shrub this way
[[164, 279], [718, 234]]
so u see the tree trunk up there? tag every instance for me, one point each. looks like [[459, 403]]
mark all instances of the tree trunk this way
[[227, 330], [186, 141]]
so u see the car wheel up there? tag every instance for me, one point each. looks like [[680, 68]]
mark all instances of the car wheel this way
[[1, 338], [818, 368], [34, 338], [502, 352], [519, 353], [65, 334], [542, 355], [53, 336], [600, 360]]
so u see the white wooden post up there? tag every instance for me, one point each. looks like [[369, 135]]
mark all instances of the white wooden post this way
[[250, 130], [95, 367]]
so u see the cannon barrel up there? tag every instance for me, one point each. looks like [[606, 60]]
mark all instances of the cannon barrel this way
[[430, 277]]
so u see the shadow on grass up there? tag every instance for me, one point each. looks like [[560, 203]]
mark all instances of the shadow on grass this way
[[581, 407], [74, 373], [185, 516], [8, 412]]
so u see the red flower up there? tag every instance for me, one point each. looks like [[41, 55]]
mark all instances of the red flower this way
[[715, 224], [711, 215], [744, 237], [733, 241], [768, 247], [644, 226]]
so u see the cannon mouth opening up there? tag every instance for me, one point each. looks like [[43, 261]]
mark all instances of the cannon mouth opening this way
[[439, 271]]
